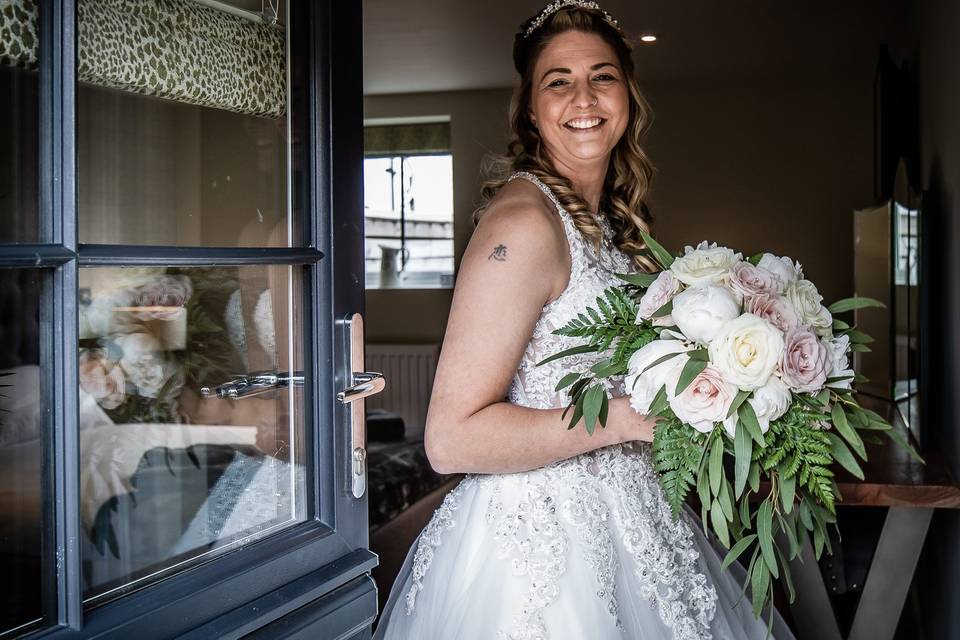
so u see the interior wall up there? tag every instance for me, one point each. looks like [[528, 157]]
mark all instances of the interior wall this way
[[937, 55], [778, 165]]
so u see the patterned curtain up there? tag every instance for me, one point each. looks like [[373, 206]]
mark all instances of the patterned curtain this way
[[174, 49]]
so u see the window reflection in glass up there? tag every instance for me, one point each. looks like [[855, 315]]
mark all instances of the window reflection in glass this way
[[170, 471], [21, 449]]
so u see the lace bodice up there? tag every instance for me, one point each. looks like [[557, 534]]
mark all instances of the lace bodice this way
[[590, 273], [602, 505]]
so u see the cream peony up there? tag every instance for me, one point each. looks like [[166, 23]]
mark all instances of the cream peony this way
[[644, 387], [659, 293], [705, 264], [746, 351], [705, 401], [145, 363], [769, 402], [783, 267], [700, 311], [101, 378]]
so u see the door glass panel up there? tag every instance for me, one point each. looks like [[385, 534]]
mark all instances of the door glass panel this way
[[19, 130], [182, 135], [21, 449], [191, 415]]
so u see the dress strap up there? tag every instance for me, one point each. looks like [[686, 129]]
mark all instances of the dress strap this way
[[535, 180]]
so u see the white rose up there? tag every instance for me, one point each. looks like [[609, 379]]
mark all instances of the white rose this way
[[839, 348], [705, 264], [805, 298], [659, 293], [700, 311], [769, 402], [822, 323], [746, 351], [704, 401], [643, 387], [783, 267]]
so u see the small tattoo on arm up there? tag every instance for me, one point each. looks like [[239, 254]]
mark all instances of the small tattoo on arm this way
[[499, 253]]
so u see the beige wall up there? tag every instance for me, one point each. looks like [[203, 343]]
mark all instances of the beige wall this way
[[776, 166]]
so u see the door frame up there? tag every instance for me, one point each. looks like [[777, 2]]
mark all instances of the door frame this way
[[321, 561]]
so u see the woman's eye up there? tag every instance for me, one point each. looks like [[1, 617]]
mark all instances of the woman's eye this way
[[605, 76], [554, 83]]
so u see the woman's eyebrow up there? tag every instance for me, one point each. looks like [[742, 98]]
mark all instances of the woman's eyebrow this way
[[599, 65]]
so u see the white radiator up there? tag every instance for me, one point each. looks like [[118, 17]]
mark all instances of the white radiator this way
[[409, 371]]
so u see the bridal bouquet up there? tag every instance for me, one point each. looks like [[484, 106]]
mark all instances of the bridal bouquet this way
[[746, 372]]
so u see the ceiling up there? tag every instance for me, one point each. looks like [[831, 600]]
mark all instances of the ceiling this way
[[431, 45]]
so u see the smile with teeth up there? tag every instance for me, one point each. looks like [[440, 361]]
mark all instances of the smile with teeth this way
[[584, 123]]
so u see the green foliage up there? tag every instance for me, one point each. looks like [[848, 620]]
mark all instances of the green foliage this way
[[677, 458]]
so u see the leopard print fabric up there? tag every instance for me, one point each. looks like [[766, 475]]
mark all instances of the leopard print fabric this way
[[174, 49]]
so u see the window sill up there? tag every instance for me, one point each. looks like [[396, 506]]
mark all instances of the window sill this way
[[411, 280]]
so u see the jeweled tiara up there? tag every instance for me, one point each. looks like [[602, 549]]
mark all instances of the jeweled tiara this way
[[555, 6]]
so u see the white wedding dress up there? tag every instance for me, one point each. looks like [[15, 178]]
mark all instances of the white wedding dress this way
[[583, 548]]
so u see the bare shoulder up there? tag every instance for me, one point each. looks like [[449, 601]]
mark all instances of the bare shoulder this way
[[522, 214]]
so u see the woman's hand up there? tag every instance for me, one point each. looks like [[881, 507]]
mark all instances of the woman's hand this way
[[627, 424]]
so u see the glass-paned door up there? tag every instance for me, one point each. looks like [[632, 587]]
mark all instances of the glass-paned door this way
[[174, 461]]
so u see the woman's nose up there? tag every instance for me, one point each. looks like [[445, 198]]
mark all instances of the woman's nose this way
[[585, 97]]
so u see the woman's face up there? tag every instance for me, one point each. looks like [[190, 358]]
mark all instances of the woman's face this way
[[579, 99]]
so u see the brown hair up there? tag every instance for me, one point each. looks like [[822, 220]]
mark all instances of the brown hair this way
[[629, 173]]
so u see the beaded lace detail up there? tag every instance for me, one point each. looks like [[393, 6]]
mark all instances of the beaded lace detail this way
[[589, 504]]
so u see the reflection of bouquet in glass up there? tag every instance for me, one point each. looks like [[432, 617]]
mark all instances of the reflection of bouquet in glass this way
[[134, 358], [740, 361]]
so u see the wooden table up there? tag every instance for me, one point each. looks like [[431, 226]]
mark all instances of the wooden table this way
[[911, 491]]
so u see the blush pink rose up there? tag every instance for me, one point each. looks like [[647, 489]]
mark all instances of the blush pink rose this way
[[165, 291], [705, 401], [659, 293], [747, 280], [775, 309], [805, 362]]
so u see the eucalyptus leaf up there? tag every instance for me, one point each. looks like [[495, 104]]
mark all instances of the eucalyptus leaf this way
[[661, 255], [640, 279], [716, 464], [660, 402], [690, 371], [849, 304], [765, 536], [719, 523], [742, 449], [788, 488], [660, 360], [584, 348], [737, 550], [842, 455], [592, 400], [737, 401], [749, 418], [839, 418], [566, 381]]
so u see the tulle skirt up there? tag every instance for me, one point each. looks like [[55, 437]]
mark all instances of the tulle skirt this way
[[585, 548]]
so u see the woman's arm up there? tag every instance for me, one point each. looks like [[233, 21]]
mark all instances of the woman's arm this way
[[517, 259]]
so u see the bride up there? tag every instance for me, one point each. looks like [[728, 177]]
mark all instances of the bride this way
[[554, 533]]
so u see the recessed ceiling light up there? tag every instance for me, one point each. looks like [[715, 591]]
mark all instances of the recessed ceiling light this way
[[648, 37]]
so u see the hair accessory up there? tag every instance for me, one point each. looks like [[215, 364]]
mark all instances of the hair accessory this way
[[555, 6]]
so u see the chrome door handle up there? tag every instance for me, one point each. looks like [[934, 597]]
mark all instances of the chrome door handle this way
[[253, 384], [365, 383], [362, 384]]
